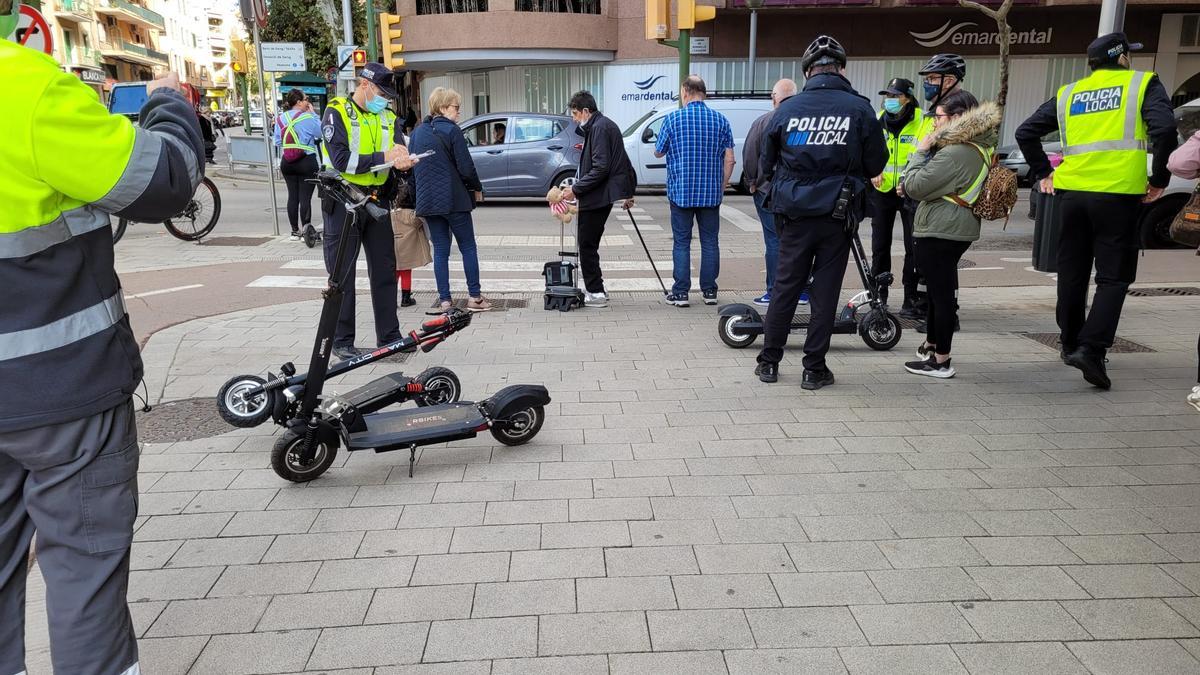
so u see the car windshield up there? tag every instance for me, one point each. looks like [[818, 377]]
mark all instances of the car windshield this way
[[632, 128]]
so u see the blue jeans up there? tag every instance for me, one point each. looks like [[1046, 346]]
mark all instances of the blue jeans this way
[[440, 228], [770, 238], [708, 219]]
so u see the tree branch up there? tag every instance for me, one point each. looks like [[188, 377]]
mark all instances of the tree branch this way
[[1000, 16]]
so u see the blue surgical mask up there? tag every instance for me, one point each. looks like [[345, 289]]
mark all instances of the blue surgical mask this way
[[892, 105], [932, 92], [377, 104]]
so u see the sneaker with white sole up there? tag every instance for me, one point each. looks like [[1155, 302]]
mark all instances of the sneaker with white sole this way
[[295, 236], [763, 300], [595, 299], [439, 307], [804, 298], [1194, 397], [678, 300], [931, 368], [710, 297], [479, 304]]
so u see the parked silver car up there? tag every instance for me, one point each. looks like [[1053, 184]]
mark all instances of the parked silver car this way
[[522, 154]]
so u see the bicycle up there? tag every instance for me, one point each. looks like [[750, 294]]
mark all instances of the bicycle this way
[[194, 222]]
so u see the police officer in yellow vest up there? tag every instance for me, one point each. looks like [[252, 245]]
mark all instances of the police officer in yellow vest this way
[[360, 132], [1106, 122], [902, 120], [69, 362]]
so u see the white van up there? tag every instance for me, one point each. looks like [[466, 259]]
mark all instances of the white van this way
[[642, 134]]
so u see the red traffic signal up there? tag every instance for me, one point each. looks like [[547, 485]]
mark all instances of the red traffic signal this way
[[359, 58]]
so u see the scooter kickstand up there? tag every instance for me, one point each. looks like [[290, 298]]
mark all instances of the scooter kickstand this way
[[412, 458]]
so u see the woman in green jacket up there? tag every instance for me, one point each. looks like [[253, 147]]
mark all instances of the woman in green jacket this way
[[945, 175]]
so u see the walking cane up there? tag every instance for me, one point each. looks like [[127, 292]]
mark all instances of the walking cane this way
[[647, 250]]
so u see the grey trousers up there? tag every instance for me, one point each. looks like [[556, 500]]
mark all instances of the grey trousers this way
[[75, 484]]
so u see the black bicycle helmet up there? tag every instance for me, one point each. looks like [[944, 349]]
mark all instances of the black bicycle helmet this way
[[945, 64], [824, 50]]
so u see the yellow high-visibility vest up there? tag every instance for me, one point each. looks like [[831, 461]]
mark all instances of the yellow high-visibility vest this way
[[1103, 134]]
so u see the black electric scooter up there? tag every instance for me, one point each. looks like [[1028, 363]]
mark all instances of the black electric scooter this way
[[318, 424], [740, 324]]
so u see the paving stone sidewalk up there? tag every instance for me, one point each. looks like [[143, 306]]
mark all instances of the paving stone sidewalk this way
[[675, 515]]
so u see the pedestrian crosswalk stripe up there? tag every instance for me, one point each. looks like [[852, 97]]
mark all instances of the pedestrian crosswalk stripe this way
[[549, 241], [497, 265], [740, 220], [530, 285]]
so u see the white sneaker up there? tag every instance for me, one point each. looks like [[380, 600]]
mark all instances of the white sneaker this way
[[1194, 397], [595, 299], [295, 236]]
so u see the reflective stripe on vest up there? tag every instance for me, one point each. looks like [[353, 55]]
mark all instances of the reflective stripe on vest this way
[[899, 149], [971, 194], [32, 240], [69, 329], [290, 129], [356, 140], [1103, 135]]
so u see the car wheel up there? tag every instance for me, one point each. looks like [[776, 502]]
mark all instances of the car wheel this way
[[561, 177], [1156, 220]]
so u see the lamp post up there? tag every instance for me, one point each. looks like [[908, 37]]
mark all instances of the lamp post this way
[[1112, 16], [754, 6]]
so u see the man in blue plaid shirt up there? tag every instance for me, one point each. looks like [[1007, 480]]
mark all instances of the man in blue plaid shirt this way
[[698, 144]]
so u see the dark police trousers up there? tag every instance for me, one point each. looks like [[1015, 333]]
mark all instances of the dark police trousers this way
[[817, 247], [378, 241], [884, 207], [75, 483], [1097, 228], [591, 231]]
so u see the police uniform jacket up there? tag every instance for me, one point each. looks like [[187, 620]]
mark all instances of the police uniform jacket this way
[[816, 140]]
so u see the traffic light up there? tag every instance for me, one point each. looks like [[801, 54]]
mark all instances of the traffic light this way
[[240, 62], [358, 58], [389, 32], [658, 19], [690, 14]]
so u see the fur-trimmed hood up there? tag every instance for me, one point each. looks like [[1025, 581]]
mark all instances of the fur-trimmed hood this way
[[980, 125]]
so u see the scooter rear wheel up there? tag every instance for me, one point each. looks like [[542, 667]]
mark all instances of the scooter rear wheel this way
[[441, 386], [285, 458], [726, 328], [520, 427], [239, 410], [881, 331]]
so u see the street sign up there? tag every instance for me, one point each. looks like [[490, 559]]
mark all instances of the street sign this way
[[700, 45], [254, 10], [344, 55], [283, 57], [33, 31]]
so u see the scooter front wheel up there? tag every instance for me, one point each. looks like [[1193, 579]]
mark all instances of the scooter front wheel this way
[[441, 386], [239, 409], [727, 329], [310, 236], [881, 331], [520, 427], [285, 458]]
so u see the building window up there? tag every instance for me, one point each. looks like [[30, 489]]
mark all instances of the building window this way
[[451, 6], [561, 6], [1190, 35]]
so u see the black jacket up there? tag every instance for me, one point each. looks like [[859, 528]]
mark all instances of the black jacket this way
[[817, 139], [1160, 127], [605, 172]]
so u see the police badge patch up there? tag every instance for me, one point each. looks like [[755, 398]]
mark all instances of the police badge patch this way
[[328, 133]]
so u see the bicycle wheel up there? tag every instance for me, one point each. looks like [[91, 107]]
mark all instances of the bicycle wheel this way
[[200, 216], [119, 229]]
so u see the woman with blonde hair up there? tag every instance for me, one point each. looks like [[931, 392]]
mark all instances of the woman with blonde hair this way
[[447, 190]]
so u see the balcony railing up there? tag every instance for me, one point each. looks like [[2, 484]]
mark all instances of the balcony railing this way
[[126, 47], [85, 56], [451, 6], [80, 8], [145, 15], [559, 6]]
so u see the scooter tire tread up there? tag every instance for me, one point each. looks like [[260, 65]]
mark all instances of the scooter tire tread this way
[[429, 374], [499, 435], [243, 421], [279, 463]]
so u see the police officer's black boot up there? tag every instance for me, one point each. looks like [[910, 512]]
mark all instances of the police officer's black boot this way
[[767, 372], [1090, 362]]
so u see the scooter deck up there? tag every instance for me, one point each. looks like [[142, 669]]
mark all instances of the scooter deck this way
[[422, 426], [378, 394]]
